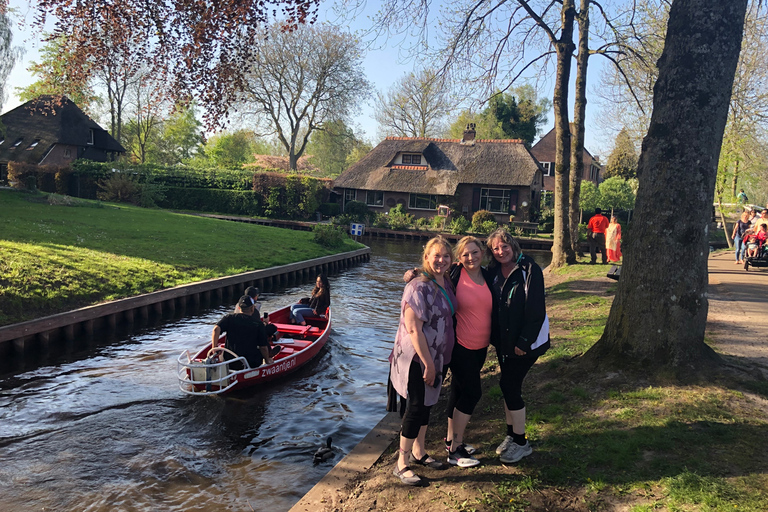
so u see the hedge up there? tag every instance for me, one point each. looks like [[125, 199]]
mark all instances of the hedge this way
[[236, 202]]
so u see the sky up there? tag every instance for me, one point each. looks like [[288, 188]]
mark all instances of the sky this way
[[383, 66]]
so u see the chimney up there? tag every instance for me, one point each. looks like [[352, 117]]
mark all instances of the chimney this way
[[469, 134]]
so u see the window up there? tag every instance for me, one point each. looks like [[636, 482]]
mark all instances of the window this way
[[90, 137], [17, 143], [594, 173], [549, 168], [33, 145], [2, 139], [374, 198], [495, 200], [67, 153], [412, 159], [422, 202], [350, 194]]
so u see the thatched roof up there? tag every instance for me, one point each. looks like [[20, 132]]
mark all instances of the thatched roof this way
[[51, 120], [449, 163]]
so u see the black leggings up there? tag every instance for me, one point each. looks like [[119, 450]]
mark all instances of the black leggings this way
[[416, 413], [513, 371], [465, 382]]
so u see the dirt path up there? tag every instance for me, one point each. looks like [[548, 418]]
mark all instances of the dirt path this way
[[737, 324]]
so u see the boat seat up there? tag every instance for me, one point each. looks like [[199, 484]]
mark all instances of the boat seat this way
[[300, 330]]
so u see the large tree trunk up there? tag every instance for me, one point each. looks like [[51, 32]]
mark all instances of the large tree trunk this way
[[579, 120], [660, 310], [562, 252]]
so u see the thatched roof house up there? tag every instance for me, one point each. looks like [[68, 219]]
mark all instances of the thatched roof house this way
[[544, 151], [469, 175], [53, 131]]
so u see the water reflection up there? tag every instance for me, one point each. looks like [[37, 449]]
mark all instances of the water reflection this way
[[111, 431]]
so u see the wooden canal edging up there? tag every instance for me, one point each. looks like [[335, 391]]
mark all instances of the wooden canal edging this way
[[17, 339]]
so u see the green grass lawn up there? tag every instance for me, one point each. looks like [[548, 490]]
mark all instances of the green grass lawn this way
[[56, 257]]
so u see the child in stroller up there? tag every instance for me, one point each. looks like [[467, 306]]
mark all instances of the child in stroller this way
[[757, 250]]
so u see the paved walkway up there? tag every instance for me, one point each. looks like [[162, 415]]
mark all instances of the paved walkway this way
[[737, 323]]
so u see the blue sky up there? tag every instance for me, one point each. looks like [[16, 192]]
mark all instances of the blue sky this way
[[383, 67]]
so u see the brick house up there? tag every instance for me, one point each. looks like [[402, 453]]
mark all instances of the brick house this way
[[468, 175]]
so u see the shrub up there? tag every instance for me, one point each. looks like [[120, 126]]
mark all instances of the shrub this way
[[119, 188], [236, 202], [379, 220], [487, 227], [329, 235], [479, 218], [343, 220], [547, 220], [422, 223], [438, 222], [398, 218], [358, 210], [459, 225], [329, 209]]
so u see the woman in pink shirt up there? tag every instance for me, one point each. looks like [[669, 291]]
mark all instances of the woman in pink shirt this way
[[475, 320]]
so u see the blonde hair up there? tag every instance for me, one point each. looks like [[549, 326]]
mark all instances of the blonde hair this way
[[464, 242], [438, 240], [503, 235]]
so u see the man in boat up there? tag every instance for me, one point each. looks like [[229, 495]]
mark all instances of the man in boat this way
[[246, 335], [253, 293]]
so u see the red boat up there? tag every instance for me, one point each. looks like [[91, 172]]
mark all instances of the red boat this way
[[207, 373]]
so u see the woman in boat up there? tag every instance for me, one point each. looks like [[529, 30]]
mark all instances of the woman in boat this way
[[317, 304], [613, 240], [423, 346], [475, 321], [523, 332]]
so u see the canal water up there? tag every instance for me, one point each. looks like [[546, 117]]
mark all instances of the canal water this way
[[109, 430]]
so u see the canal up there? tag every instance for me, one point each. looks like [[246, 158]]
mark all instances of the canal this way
[[109, 430]]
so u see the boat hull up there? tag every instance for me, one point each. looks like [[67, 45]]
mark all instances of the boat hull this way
[[202, 374]]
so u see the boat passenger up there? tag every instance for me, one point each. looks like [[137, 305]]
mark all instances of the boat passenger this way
[[253, 293], [317, 304], [422, 348], [245, 335], [523, 332]]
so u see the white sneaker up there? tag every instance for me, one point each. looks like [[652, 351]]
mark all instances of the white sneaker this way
[[462, 459], [515, 452], [504, 445]]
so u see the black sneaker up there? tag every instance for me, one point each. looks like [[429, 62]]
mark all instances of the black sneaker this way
[[471, 450], [462, 459]]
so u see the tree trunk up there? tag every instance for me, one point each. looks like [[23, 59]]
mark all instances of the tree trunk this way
[[579, 120], [562, 252], [660, 310]]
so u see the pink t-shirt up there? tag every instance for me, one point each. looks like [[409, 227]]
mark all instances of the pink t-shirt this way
[[473, 314]]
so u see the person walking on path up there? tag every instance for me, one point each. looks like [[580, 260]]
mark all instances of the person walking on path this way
[[739, 229], [596, 227], [423, 346], [523, 333], [613, 240]]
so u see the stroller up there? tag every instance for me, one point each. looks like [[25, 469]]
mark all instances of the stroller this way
[[761, 260]]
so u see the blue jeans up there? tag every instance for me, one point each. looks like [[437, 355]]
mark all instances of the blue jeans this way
[[299, 311], [741, 248]]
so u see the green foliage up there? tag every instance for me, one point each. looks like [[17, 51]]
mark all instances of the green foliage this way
[[331, 148], [329, 235], [622, 162], [233, 149], [479, 218], [379, 220], [179, 138], [357, 210], [515, 115], [235, 202], [487, 227], [459, 225], [120, 188], [399, 218], [329, 209], [616, 194], [437, 222], [422, 223], [590, 196]]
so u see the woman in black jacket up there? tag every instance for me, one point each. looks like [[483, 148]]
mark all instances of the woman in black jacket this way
[[523, 332], [318, 303]]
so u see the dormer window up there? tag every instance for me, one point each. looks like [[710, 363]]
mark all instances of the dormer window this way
[[2, 139], [90, 137], [33, 145], [17, 143], [412, 159]]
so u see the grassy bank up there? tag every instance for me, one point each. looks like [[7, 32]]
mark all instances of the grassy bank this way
[[603, 440], [56, 257]]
